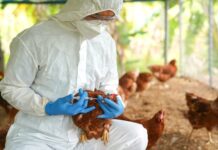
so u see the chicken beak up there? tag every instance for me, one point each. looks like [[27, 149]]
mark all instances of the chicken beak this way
[[161, 115]]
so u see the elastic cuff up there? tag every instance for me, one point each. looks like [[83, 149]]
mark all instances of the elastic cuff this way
[[41, 109], [118, 96]]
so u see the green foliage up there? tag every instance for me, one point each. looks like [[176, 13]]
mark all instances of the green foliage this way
[[173, 3], [215, 34], [173, 27], [126, 30], [30, 11], [53, 9], [130, 36], [215, 38], [196, 23], [124, 39]]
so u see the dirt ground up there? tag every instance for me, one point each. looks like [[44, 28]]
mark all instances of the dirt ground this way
[[172, 101]]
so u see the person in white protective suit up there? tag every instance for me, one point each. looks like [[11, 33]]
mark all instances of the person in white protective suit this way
[[66, 54]]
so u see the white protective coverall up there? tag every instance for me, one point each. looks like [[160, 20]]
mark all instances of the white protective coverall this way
[[53, 59]]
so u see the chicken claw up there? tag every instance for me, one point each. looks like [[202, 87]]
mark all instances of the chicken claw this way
[[164, 86], [83, 137], [105, 136], [211, 141]]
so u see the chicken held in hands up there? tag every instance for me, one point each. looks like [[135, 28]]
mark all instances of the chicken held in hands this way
[[89, 123]]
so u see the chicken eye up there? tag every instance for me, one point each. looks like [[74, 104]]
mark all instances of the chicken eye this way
[[193, 101]]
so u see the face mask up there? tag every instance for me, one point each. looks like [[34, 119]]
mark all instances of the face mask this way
[[90, 29]]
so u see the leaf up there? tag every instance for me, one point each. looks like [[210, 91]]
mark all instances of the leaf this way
[[196, 22]]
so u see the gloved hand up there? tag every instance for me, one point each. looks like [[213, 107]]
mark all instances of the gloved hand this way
[[110, 108], [64, 106]]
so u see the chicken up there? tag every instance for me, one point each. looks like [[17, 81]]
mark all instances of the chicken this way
[[128, 83], [4, 104], [214, 106], [1, 75], [154, 126], [165, 72], [169, 68], [93, 127], [3, 134], [11, 112], [201, 114], [142, 81]]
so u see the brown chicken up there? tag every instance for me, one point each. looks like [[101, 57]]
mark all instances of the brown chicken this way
[[214, 106], [128, 83], [143, 80], [11, 112], [93, 127], [154, 126], [164, 72], [200, 114], [4, 104], [3, 134]]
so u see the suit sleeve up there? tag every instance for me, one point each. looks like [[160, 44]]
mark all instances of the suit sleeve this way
[[20, 74], [110, 82]]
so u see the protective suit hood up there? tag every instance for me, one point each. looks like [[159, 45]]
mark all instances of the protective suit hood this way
[[75, 10]]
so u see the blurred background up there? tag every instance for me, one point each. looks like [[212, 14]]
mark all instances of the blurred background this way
[[149, 32]]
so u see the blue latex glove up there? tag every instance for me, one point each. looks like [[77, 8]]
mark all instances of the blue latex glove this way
[[64, 106], [110, 108]]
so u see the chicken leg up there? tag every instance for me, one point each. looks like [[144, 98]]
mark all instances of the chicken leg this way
[[188, 138], [105, 136], [83, 137], [137, 95], [211, 141], [163, 86]]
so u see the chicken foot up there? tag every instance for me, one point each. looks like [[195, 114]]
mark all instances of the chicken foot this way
[[163, 86], [137, 95], [188, 138], [211, 141], [83, 137], [105, 136]]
